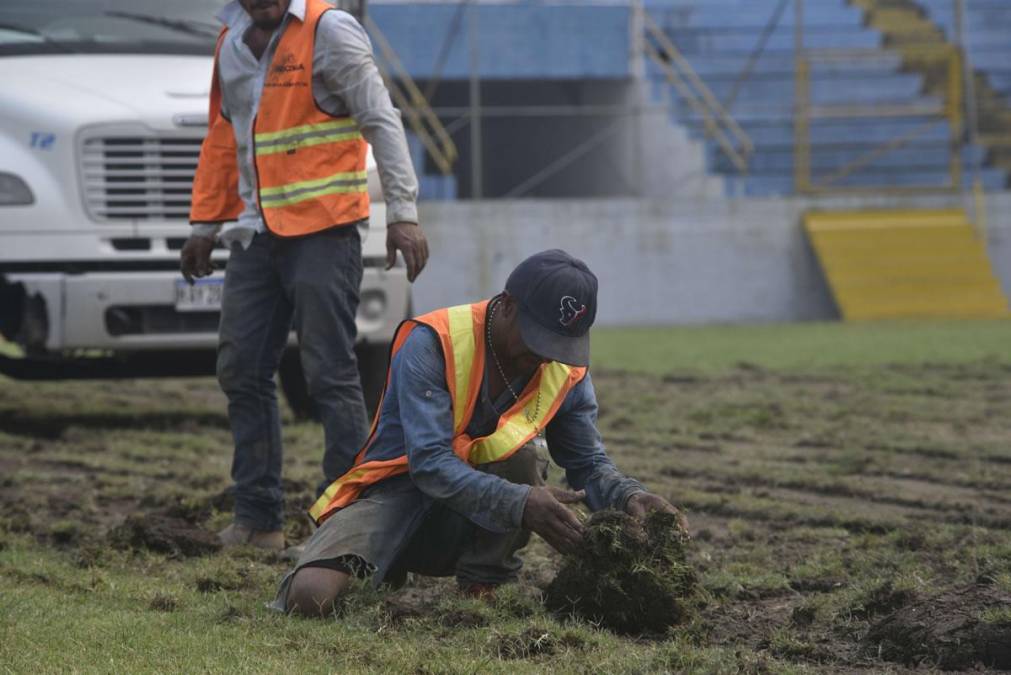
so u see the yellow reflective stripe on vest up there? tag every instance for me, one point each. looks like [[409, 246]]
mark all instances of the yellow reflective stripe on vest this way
[[306, 141], [292, 193], [517, 428], [293, 132], [316, 510], [461, 333], [306, 135]]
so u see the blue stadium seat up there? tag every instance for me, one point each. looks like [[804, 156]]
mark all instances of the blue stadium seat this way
[[589, 40], [774, 186], [987, 32], [718, 38]]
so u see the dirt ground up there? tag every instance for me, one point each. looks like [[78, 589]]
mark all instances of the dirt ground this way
[[847, 519]]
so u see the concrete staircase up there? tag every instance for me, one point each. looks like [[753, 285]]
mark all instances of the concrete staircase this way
[[910, 26], [674, 162], [905, 264], [719, 39]]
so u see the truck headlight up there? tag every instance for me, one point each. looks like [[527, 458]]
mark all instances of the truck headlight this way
[[14, 191]]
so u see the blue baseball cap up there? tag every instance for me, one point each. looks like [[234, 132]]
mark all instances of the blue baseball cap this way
[[557, 297]]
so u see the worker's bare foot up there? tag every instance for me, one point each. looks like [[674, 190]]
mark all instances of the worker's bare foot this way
[[240, 535]]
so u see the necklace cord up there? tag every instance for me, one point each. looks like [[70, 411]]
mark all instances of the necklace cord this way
[[492, 308]]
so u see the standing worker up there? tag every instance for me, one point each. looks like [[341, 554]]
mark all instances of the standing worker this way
[[294, 97]]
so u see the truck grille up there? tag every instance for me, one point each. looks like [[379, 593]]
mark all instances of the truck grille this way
[[139, 177]]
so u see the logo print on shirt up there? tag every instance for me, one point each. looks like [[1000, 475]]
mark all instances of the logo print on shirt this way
[[571, 310]]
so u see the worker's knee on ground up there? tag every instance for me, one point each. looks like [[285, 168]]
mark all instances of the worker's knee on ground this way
[[525, 467], [316, 591]]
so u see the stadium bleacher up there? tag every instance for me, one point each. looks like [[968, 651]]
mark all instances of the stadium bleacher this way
[[719, 38], [591, 42], [987, 33]]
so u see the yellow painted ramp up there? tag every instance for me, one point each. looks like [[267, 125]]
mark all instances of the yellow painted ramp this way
[[905, 264]]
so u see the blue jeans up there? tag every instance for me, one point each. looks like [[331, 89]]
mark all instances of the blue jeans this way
[[310, 283]]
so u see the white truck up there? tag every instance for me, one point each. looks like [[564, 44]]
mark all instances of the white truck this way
[[102, 111]]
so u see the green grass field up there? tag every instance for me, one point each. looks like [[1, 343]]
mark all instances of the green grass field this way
[[711, 349], [832, 474]]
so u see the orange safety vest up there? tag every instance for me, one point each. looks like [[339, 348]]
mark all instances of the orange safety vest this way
[[310, 166], [461, 332]]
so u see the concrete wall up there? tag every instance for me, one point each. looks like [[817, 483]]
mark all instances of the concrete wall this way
[[999, 237], [659, 262]]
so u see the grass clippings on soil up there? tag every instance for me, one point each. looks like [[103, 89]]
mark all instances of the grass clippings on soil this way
[[629, 576], [164, 534], [833, 476], [957, 629]]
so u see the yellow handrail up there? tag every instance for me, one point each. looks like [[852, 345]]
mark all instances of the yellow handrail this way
[[408, 97], [949, 110], [719, 123]]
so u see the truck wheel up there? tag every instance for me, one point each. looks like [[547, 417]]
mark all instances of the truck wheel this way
[[372, 364], [293, 385]]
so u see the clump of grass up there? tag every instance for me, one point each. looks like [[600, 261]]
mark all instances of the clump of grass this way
[[883, 597], [804, 615], [997, 616], [531, 642], [785, 644], [1002, 581], [163, 602], [65, 532], [221, 579], [162, 534], [679, 655], [229, 614], [16, 520], [629, 576], [516, 602], [89, 553]]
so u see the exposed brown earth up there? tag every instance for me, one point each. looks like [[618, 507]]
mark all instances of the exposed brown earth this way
[[948, 630], [841, 519]]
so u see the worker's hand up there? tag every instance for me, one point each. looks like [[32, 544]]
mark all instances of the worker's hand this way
[[195, 258], [642, 503], [546, 514], [410, 241]]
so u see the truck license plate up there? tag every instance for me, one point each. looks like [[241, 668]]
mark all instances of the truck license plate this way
[[202, 296]]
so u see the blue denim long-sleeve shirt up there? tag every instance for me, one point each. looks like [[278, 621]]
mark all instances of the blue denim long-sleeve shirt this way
[[417, 417]]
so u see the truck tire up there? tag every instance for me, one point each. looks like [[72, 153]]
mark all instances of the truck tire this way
[[372, 364]]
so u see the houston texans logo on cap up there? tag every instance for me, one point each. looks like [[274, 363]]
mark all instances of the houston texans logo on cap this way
[[571, 309], [553, 323]]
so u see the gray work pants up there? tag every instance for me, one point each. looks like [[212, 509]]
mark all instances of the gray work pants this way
[[393, 528]]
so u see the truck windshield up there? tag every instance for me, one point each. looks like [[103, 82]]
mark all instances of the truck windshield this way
[[108, 26]]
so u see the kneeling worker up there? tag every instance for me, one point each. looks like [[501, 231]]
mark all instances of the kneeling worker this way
[[448, 481]]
